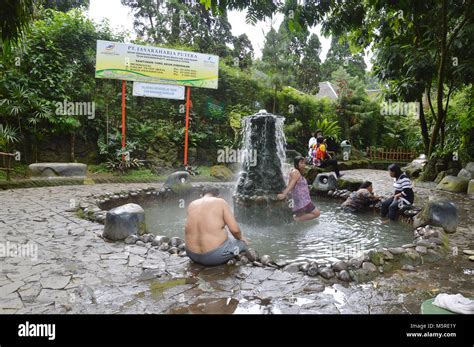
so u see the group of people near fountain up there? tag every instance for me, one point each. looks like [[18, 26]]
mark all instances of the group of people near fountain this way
[[209, 243], [358, 201], [318, 154]]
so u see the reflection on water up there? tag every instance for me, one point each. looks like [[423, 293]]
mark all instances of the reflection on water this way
[[335, 235]]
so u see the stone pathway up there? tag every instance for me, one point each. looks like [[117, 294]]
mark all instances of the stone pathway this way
[[62, 265]]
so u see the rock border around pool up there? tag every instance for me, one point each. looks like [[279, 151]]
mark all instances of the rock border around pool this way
[[430, 243]]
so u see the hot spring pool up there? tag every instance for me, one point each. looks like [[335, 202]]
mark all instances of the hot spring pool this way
[[336, 234]]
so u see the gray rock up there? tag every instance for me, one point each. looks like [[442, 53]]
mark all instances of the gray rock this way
[[293, 267], [231, 262], [159, 240], [182, 253], [463, 173], [130, 240], [123, 221], [344, 276], [148, 238], [468, 251], [339, 266], [140, 243], [305, 266], [424, 243], [176, 178], [312, 271], [470, 167], [325, 182], [258, 264], [421, 249], [354, 263], [387, 255], [326, 273], [251, 254], [470, 188], [397, 250], [57, 170], [369, 266], [281, 263], [164, 247], [408, 268], [244, 260], [182, 247], [173, 250], [176, 241], [266, 259], [438, 212], [411, 257]]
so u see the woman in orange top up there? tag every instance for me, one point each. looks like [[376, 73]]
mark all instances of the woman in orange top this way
[[323, 159]]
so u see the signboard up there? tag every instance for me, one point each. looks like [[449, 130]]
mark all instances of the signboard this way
[[126, 61], [155, 90]]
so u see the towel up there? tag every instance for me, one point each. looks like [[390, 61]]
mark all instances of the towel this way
[[455, 303]]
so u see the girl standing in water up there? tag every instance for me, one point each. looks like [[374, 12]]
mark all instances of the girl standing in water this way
[[303, 207]]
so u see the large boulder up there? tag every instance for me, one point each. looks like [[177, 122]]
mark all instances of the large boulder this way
[[178, 177], [440, 176], [470, 167], [221, 172], [178, 182], [57, 170], [414, 169], [438, 212], [464, 173], [453, 184], [470, 188], [349, 183], [123, 221], [325, 182]]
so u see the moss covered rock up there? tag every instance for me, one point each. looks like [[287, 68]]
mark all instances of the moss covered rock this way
[[470, 188], [221, 172], [453, 184], [348, 183]]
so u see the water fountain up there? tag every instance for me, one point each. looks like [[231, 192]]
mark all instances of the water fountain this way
[[261, 178]]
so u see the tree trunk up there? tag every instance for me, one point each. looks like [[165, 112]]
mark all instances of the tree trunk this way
[[442, 131], [440, 84], [424, 127], [274, 100], [73, 146]]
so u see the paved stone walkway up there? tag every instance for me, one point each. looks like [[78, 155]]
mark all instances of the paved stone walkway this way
[[64, 266]]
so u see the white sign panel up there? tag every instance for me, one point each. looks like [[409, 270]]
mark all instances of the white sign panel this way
[[155, 90]]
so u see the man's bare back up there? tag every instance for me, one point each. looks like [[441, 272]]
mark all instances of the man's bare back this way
[[205, 225]]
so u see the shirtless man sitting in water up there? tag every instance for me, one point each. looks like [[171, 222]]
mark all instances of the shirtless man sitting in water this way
[[207, 240]]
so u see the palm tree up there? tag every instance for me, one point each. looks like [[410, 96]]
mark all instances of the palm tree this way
[[15, 16]]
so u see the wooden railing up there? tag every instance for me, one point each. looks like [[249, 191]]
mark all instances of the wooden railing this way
[[7, 163], [391, 154]]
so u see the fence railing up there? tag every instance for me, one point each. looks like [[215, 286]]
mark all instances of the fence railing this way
[[392, 154], [6, 163]]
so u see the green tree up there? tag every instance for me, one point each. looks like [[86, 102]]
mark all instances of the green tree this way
[[339, 55], [64, 5], [275, 63], [15, 17]]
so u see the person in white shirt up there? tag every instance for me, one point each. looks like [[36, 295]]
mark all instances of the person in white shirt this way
[[313, 140]]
